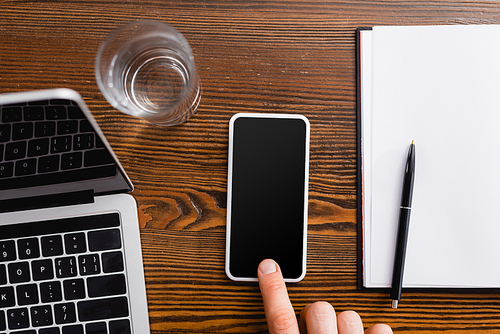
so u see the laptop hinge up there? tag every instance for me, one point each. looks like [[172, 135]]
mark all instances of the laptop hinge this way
[[47, 201]]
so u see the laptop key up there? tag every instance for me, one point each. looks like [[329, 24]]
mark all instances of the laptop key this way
[[67, 127], [15, 151], [27, 294], [104, 240], [48, 164], [12, 114], [71, 160], [3, 324], [121, 326], [6, 169], [38, 103], [83, 141], [75, 112], [50, 292], [28, 248], [60, 101], [60, 144], [75, 243], [41, 316], [65, 267], [73, 329], [3, 274], [98, 142], [98, 309], [22, 131], [19, 272], [37, 147], [42, 269], [52, 245], [97, 157], [18, 318], [64, 313], [55, 112], [7, 250], [85, 126], [7, 297], [33, 113], [96, 328], [110, 285], [45, 129], [62, 225], [112, 262], [89, 264], [26, 167], [49, 330], [5, 133], [74, 289]]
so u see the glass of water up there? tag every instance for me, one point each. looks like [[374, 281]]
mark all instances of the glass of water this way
[[146, 69]]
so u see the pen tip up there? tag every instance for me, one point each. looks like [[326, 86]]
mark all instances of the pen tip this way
[[412, 142], [394, 304]]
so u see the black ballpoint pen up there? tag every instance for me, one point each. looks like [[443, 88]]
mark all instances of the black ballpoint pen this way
[[404, 223]]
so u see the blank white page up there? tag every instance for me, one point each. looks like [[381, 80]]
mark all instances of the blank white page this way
[[438, 86]]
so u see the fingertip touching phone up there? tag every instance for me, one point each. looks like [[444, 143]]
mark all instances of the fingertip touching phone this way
[[267, 194]]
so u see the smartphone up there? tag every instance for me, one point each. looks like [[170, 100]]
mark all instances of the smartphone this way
[[267, 195]]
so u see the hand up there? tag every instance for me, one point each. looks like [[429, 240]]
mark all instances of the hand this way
[[314, 319]]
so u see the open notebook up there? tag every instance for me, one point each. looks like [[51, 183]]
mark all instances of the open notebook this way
[[438, 86], [70, 252]]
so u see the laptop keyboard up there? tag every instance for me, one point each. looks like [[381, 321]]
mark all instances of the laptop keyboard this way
[[63, 276], [47, 142]]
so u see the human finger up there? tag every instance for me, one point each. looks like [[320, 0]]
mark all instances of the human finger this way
[[349, 322], [379, 329], [318, 318], [277, 306]]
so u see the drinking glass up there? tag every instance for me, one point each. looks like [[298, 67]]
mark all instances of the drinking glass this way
[[146, 69]]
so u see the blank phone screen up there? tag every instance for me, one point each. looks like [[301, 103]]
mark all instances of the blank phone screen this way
[[268, 195]]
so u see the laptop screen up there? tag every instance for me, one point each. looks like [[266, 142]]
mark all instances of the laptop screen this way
[[50, 144]]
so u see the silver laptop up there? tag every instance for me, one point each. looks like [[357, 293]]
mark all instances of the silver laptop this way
[[70, 252]]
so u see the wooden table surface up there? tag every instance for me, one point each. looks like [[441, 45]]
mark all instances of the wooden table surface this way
[[275, 56]]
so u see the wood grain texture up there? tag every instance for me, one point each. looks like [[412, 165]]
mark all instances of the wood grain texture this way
[[277, 56]]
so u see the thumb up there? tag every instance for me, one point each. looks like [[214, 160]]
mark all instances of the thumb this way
[[280, 315]]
